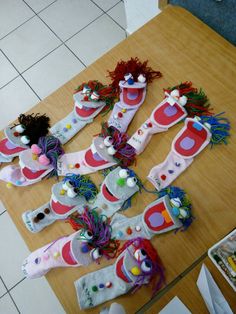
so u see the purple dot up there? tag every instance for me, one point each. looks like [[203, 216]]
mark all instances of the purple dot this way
[[74, 121], [37, 260], [170, 111], [156, 220], [65, 130], [187, 143]]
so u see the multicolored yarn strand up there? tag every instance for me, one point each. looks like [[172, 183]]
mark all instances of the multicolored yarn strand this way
[[135, 67], [83, 185], [99, 226], [156, 274], [197, 102], [106, 93], [125, 153], [52, 148], [35, 126], [220, 127]]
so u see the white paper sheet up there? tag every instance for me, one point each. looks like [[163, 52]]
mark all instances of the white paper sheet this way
[[175, 306]]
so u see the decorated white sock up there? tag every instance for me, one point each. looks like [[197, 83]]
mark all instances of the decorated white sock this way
[[180, 101], [90, 99], [196, 134], [137, 265], [172, 210], [68, 196], [89, 244], [130, 79], [22, 135], [108, 149]]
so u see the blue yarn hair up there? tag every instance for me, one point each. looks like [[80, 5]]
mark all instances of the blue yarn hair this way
[[83, 184], [220, 127]]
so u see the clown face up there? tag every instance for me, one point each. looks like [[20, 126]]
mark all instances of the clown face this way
[[132, 93], [119, 185], [87, 104]]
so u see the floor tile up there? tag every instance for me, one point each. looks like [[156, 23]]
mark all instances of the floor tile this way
[[37, 5], [12, 14], [106, 4], [2, 208], [66, 17], [29, 295], [29, 43], [7, 306], [17, 97], [96, 39], [3, 290], [50, 73], [118, 14], [7, 72], [13, 251]]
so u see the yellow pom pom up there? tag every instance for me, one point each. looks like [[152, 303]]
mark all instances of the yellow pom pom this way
[[9, 185], [70, 166], [34, 156], [56, 254], [62, 192], [68, 126], [124, 110], [135, 271]]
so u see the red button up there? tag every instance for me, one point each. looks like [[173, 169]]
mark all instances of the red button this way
[[163, 177], [86, 98], [149, 124], [16, 134], [77, 165], [129, 231], [120, 114]]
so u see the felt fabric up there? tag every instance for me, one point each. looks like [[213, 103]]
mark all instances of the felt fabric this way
[[157, 218], [12, 174], [188, 143], [168, 113], [5, 158], [64, 252]]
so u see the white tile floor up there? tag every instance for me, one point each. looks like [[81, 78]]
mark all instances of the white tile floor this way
[[43, 44]]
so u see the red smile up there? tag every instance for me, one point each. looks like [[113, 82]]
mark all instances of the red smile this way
[[167, 114], [32, 175], [59, 208], [94, 160], [7, 148], [132, 96], [85, 111], [107, 194], [67, 255], [120, 272]]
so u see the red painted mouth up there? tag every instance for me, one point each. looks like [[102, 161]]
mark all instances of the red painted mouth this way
[[120, 270], [191, 140], [107, 194], [67, 255], [85, 111], [59, 208], [94, 160], [32, 175], [167, 114], [7, 148], [132, 96]]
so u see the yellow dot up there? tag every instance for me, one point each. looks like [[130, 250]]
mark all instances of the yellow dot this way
[[135, 271], [62, 192], [34, 156], [68, 126], [70, 166], [123, 110], [56, 254], [9, 185]]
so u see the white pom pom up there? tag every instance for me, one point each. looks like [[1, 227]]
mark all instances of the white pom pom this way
[[25, 139], [207, 125], [131, 182], [183, 100], [176, 202], [123, 173], [183, 212], [111, 150], [141, 78], [96, 254], [20, 128], [174, 93]]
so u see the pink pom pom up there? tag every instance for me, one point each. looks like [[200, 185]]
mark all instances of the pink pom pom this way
[[43, 159], [36, 149]]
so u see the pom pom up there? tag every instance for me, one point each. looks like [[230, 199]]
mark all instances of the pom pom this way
[[111, 150], [43, 159], [35, 149], [174, 93], [25, 139], [183, 100]]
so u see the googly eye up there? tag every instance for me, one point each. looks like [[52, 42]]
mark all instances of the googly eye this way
[[96, 253], [94, 95], [108, 141], [196, 118], [174, 93], [141, 78], [131, 182], [111, 150], [183, 100], [176, 202], [123, 173], [67, 185], [25, 139], [71, 193], [128, 76], [140, 254], [88, 235], [183, 213], [146, 266], [207, 125], [20, 128], [86, 90]]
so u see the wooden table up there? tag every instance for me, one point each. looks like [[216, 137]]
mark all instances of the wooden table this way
[[182, 48], [187, 291]]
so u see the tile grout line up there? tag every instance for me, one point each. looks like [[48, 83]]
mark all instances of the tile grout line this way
[[8, 292], [3, 212]]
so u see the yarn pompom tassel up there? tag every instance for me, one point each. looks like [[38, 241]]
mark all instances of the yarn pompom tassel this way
[[219, 127], [197, 101], [135, 67], [100, 231], [83, 185]]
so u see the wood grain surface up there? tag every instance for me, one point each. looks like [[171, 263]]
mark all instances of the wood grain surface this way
[[182, 48]]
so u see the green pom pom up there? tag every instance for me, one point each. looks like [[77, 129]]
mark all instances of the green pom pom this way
[[121, 181]]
